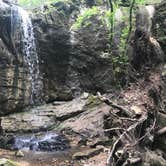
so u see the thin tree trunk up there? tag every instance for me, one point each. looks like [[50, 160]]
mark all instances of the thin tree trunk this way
[[131, 19], [130, 26], [112, 20]]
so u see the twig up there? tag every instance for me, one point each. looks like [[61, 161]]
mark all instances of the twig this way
[[152, 128], [112, 129]]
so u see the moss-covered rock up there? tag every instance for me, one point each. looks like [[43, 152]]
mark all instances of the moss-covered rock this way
[[93, 101], [6, 162]]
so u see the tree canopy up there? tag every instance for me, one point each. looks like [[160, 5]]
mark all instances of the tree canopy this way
[[34, 3]]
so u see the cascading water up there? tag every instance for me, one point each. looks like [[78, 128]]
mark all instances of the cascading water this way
[[20, 17], [46, 142]]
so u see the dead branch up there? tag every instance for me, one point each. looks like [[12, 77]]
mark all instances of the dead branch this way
[[112, 129]]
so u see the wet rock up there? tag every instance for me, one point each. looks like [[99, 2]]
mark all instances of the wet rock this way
[[36, 142], [58, 143], [6, 162], [7, 141], [65, 118], [43, 117], [87, 153], [15, 86]]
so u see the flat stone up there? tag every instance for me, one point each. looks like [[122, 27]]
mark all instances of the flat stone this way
[[92, 122], [42, 117], [100, 142], [87, 153]]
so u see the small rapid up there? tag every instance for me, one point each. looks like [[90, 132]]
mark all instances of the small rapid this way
[[44, 142]]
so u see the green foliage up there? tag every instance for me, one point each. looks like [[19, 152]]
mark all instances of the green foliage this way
[[143, 2], [140, 2], [124, 35], [120, 62], [30, 4], [109, 18], [83, 19]]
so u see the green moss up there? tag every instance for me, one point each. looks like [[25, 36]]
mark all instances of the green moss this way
[[93, 101]]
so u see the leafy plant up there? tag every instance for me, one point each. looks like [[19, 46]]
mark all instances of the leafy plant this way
[[30, 4], [82, 20]]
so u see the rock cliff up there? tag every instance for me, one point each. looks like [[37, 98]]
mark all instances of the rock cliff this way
[[14, 74]]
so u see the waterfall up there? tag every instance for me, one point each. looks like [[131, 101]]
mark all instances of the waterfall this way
[[20, 17]]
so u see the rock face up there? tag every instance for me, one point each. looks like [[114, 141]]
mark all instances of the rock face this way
[[74, 60], [146, 49], [76, 52], [159, 26], [14, 82]]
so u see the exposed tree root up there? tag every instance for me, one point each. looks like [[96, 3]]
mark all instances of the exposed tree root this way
[[124, 151], [110, 160]]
